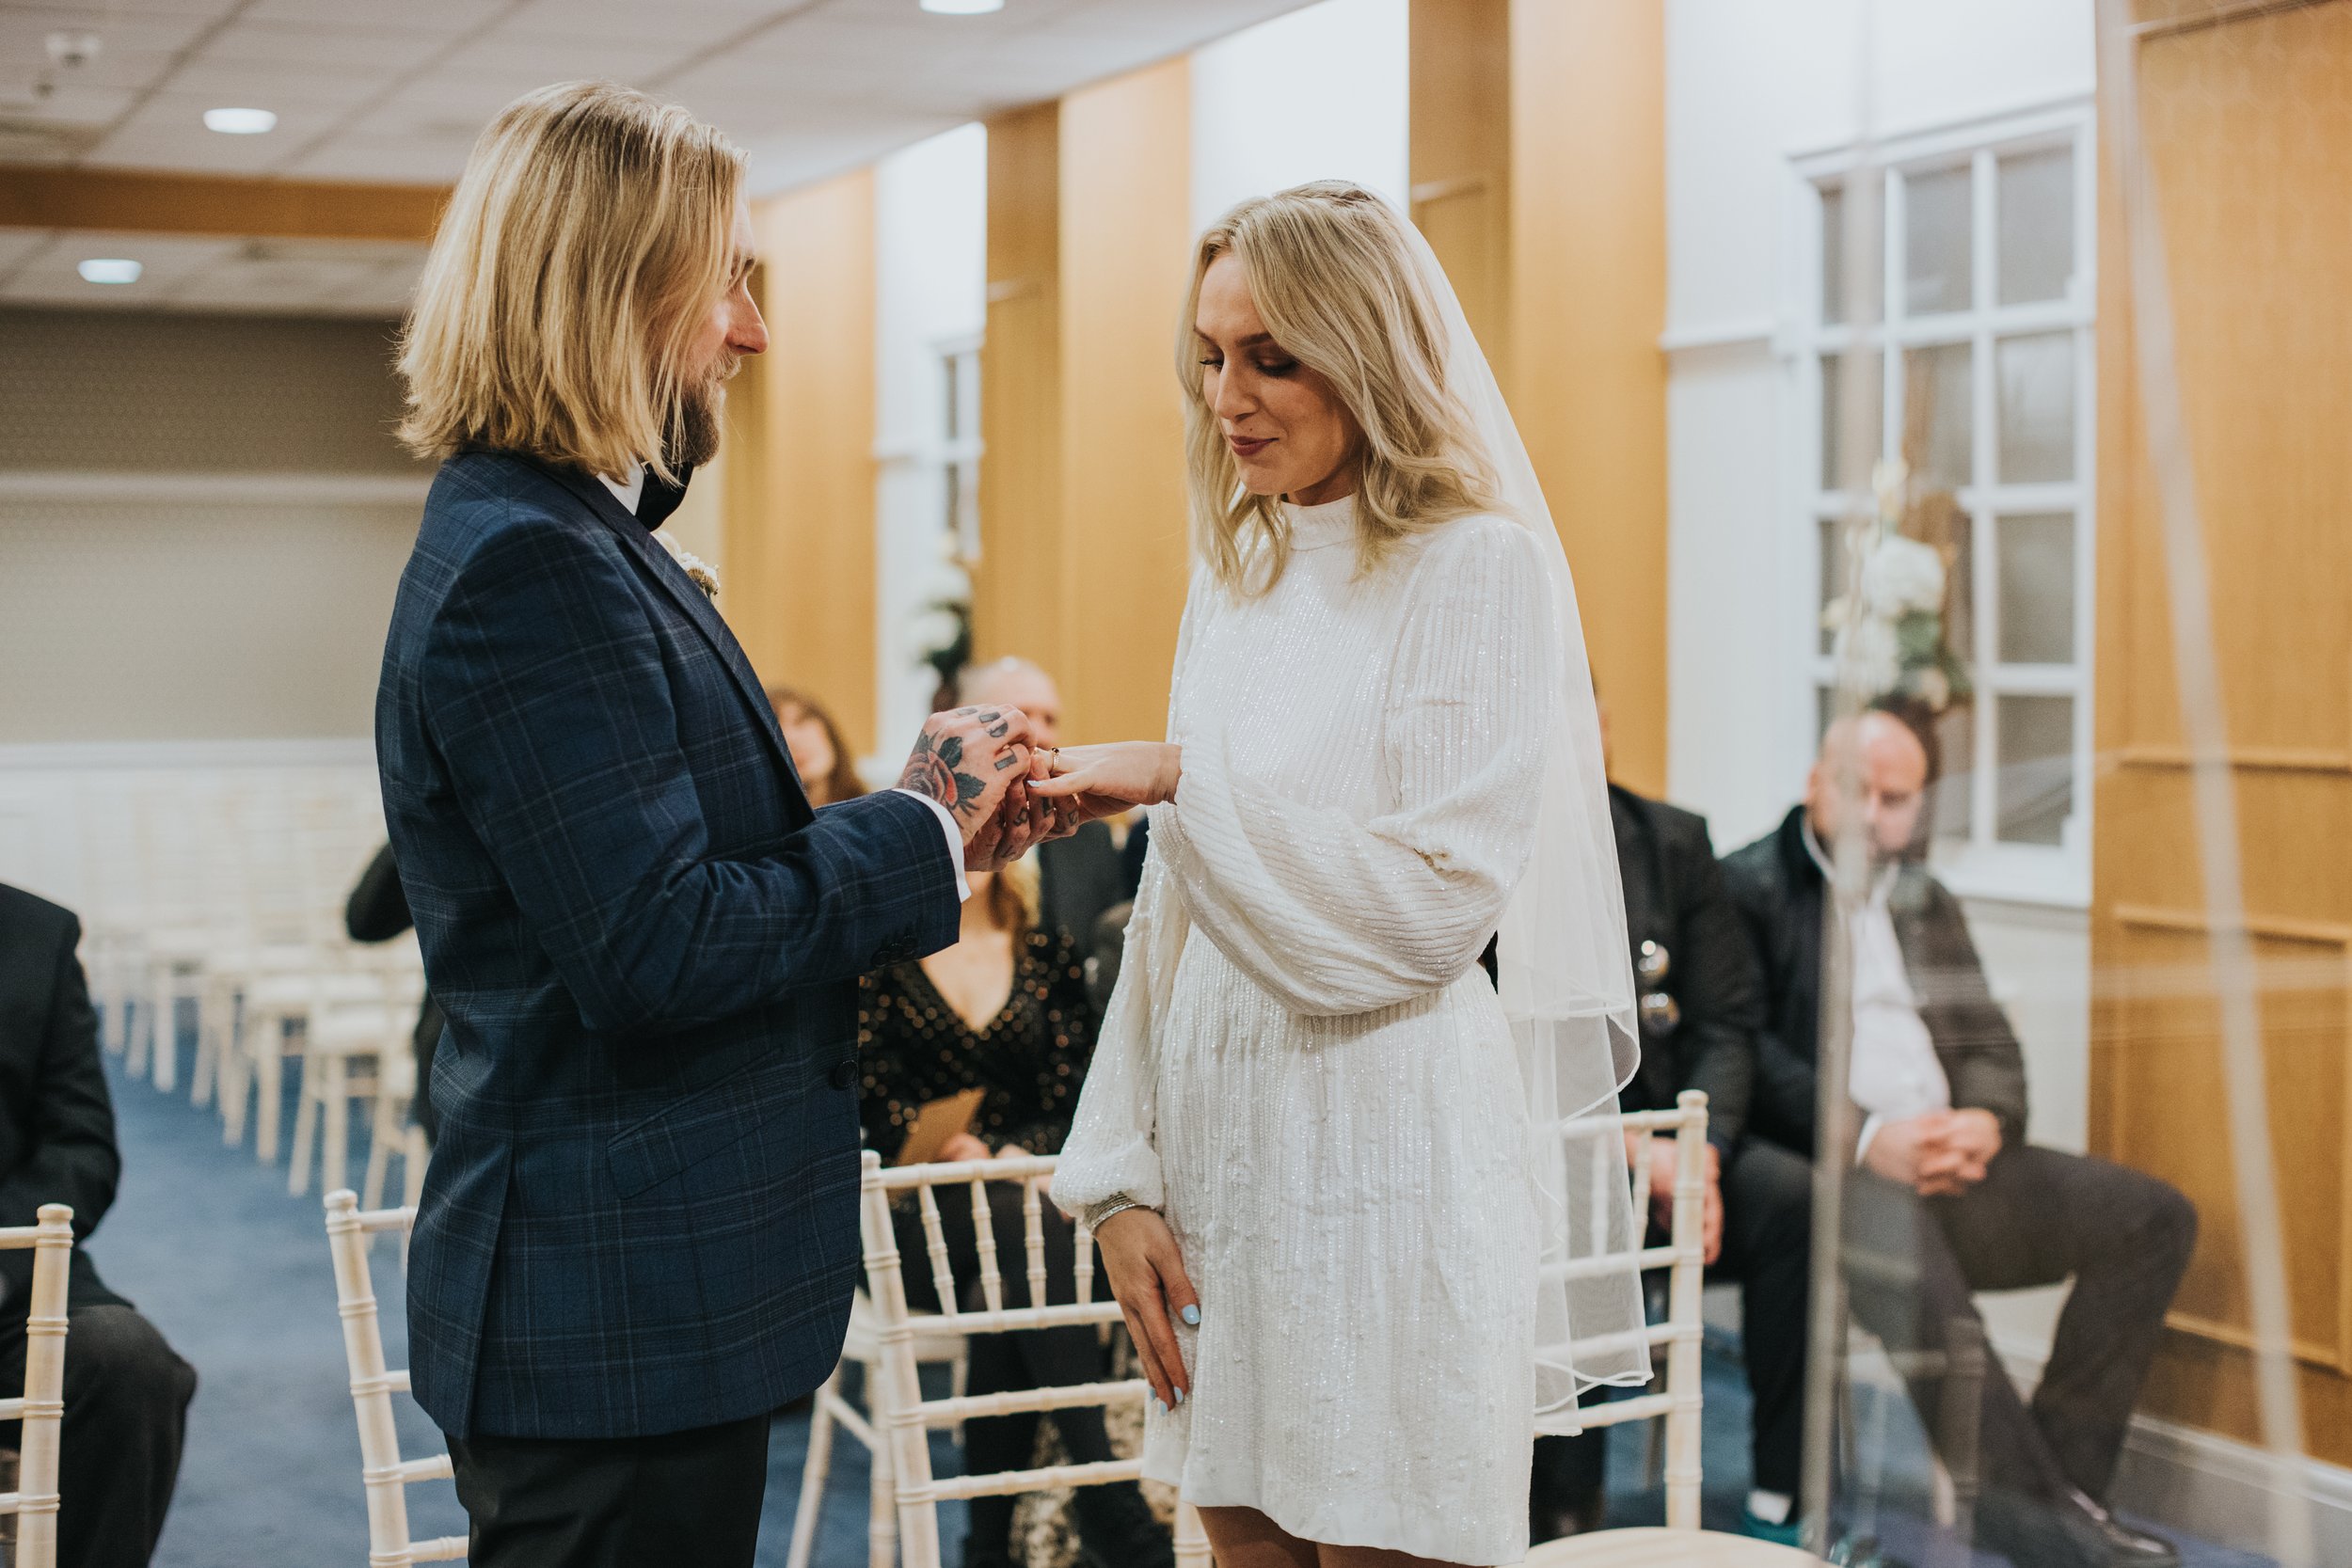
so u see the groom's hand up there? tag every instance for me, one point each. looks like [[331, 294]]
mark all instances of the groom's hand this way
[[967, 759]]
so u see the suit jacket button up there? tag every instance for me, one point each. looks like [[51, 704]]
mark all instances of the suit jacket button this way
[[843, 1075]]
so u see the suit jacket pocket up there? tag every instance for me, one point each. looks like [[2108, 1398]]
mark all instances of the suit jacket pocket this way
[[690, 1130]]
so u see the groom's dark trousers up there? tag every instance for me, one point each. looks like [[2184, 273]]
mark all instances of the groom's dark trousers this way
[[638, 1233]]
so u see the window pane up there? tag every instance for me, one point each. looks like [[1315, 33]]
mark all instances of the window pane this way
[[1956, 743], [1832, 573], [1937, 261], [2037, 232], [1938, 415], [2036, 395], [2035, 786], [2037, 603], [1832, 414]]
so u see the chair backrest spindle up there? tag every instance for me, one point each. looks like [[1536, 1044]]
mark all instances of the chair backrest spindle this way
[[908, 1418], [41, 1408]]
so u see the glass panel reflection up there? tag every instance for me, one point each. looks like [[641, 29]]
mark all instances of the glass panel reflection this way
[[2036, 195], [2034, 393], [1834, 370], [2034, 789], [1956, 746], [1939, 415], [2036, 599], [1938, 273]]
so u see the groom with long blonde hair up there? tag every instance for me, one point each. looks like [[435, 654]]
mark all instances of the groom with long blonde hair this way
[[638, 1233]]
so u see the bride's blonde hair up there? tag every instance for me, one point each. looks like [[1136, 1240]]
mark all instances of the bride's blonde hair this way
[[1331, 271]]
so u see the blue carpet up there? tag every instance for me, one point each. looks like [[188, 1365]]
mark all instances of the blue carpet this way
[[234, 1271]]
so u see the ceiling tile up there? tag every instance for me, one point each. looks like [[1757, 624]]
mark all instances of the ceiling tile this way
[[446, 17], [300, 45]]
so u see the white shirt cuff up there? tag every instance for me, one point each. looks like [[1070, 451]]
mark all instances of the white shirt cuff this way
[[1870, 1124], [955, 840]]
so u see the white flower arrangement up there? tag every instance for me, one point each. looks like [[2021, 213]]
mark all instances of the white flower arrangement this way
[[1889, 629], [695, 567]]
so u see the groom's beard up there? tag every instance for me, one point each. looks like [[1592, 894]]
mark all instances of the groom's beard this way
[[699, 419]]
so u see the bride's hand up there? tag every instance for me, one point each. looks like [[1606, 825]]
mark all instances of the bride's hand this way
[[1147, 1273], [1106, 780]]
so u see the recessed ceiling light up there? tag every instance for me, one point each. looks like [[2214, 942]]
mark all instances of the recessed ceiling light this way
[[109, 270], [240, 122], [962, 8]]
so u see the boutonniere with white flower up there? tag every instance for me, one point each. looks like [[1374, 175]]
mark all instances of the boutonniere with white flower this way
[[694, 566]]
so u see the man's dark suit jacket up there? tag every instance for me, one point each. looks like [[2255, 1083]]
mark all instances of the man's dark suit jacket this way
[[1779, 890], [642, 1213], [1079, 878], [56, 1123], [1675, 896]]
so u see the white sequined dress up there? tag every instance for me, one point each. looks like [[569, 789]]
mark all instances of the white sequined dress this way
[[1304, 1066]]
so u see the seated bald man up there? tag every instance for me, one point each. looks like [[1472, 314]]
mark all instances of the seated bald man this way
[[1948, 1199]]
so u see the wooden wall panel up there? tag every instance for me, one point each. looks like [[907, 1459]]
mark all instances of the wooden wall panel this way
[[2246, 116], [1460, 128], [799, 575], [1016, 591], [1126, 179], [1586, 378]]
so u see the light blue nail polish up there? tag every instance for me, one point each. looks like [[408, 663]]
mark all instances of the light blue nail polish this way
[[1191, 1315], [1179, 1396], [1155, 1399]]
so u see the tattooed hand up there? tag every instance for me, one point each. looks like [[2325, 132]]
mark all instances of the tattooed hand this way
[[966, 759]]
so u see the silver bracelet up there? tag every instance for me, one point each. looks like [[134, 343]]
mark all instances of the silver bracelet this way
[[1118, 1203]]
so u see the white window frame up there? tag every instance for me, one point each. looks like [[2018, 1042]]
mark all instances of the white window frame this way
[[1981, 866]]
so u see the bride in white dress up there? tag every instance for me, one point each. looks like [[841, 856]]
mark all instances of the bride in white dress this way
[[1320, 1151]]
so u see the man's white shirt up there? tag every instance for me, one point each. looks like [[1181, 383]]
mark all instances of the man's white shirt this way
[[1895, 1073], [628, 491]]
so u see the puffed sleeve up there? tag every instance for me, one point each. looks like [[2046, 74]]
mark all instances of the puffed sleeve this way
[[1335, 915]]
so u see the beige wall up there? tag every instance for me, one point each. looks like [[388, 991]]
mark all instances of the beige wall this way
[[202, 520]]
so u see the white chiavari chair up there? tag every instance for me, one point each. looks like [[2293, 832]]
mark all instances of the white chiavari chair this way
[[904, 1417], [344, 1049], [1681, 1544], [829, 1410], [385, 1474], [41, 1408], [390, 1134]]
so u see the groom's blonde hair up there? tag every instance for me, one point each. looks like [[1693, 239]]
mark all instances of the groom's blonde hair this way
[[1332, 271], [589, 236]]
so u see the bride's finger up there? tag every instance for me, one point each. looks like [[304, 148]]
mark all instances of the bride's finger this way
[[1142, 1341]]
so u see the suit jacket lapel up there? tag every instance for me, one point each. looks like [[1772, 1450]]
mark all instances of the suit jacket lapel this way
[[638, 540]]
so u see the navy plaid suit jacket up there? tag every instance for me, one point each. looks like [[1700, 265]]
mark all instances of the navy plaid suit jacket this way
[[641, 1213]]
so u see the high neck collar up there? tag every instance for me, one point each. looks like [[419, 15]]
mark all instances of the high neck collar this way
[[1315, 527]]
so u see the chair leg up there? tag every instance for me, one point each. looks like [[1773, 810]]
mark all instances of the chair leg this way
[[139, 1035], [335, 1106], [269, 1095], [383, 1132], [815, 1471], [305, 1127], [413, 1155], [211, 1033], [1192, 1541], [168, 1034], [881, 1526]]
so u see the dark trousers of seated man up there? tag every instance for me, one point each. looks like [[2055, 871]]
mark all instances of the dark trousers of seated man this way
[[1000, 1363], [2040, 1216], [1768, 1222], [126, 1410]]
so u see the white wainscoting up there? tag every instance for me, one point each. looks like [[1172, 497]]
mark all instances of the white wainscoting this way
[[69, 811]]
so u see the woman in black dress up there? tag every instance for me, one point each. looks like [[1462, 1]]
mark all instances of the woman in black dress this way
[[1006, 1011]]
